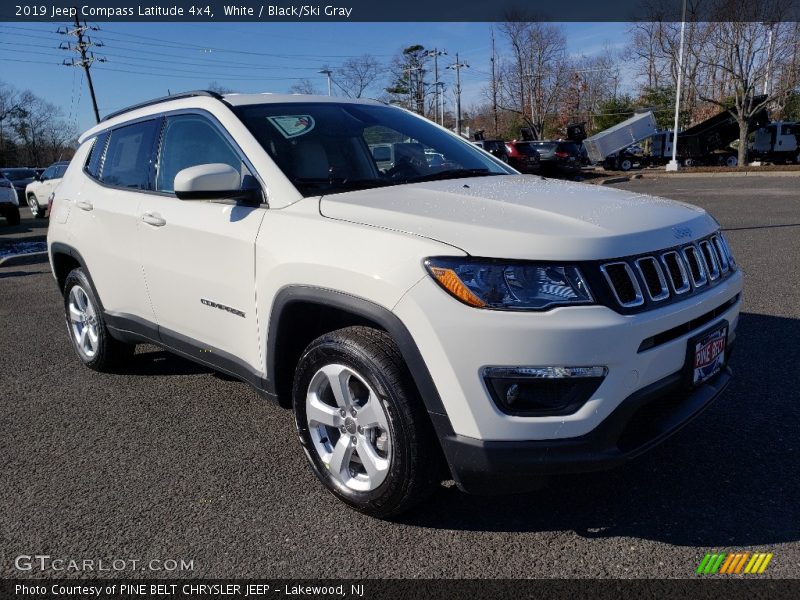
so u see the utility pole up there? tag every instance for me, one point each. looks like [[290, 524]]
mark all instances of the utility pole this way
[[458, 65], [673, 164], [327, 72], [494, 87], [436, 53], [769, 60], [440, 84], [86, 57]]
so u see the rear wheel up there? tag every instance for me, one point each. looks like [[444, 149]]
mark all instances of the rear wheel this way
[[731, 160], [362, 424], [36, 209], [87, 328], [12, 216]]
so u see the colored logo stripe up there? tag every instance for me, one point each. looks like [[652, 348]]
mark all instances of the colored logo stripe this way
[[734, 563]]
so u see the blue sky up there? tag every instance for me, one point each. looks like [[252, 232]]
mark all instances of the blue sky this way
[[147, 60]]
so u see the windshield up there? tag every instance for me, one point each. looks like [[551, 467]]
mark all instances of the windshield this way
[[326, 148], [17, 174]]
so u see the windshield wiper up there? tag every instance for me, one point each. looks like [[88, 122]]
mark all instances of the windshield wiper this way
[[454, 174]]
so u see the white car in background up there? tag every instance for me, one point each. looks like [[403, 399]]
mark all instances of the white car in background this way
[[9, 205], [38, 191]]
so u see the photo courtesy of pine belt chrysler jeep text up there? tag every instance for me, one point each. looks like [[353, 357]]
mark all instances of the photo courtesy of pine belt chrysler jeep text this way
[[426, 311]]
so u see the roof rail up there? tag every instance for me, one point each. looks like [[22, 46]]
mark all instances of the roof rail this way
[[192, 94]]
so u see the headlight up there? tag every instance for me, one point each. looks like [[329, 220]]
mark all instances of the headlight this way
[[509, 285]]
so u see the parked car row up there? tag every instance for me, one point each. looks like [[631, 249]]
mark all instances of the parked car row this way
[[551, 158], [33, 187]]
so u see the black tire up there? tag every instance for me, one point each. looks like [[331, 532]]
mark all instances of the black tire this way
[[415, 465], [12, 216], [110, 354], [36, 209], [626, 164]]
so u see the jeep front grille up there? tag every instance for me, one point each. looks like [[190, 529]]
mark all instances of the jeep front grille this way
[[623, 283], [668, 274]]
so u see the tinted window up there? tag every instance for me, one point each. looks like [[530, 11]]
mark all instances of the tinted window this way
[[128, 158], [96, 155], [191, 140], [18, 174], [49, 173], [525, 149], [60, 170], [544, 146]]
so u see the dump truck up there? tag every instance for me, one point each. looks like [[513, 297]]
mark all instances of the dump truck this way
[[609, 146]]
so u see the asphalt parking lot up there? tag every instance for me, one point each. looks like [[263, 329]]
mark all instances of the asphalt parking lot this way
[[170, 461]]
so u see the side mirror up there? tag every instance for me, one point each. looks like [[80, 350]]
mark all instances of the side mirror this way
[[213, 181]]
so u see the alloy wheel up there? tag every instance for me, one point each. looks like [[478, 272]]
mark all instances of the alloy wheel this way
[[34, 206], [83, 322], [349, 428]]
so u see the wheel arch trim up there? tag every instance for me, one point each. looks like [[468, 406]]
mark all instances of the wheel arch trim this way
[[62, 248], [362, 308]]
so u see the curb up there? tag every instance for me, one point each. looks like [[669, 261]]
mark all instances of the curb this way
[[731, 174], [611, 180], [28, 258]]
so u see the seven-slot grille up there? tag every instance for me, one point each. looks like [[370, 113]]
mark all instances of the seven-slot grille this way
[[669, 274]]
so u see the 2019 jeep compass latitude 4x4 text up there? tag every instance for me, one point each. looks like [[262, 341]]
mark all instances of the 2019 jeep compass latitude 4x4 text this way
[[425, 320]]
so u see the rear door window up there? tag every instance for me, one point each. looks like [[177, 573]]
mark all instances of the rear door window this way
[[128, 159], [96, 155]]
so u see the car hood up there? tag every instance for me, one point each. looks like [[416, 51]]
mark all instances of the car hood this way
[[525, 217]]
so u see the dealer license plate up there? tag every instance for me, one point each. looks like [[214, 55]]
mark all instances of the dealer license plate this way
[[707, 351]]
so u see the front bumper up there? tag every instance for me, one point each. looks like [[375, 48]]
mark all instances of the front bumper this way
[[641, 421], [457, 342]]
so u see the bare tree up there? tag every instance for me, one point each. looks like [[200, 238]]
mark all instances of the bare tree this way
[[215, 86], [533, 80], [750, 52], [32, 131], [356, 75], [303, 86]]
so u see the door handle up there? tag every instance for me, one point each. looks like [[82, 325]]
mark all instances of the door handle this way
[[153, 219], [84, 205]]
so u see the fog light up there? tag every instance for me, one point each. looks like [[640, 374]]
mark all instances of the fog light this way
[[542, 391]]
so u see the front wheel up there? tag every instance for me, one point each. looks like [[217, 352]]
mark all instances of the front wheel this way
[[87, 328], [362, 424], [626, 164]]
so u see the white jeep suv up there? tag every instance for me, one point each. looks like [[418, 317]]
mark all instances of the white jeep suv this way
[[38, 191], [425, 321]]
